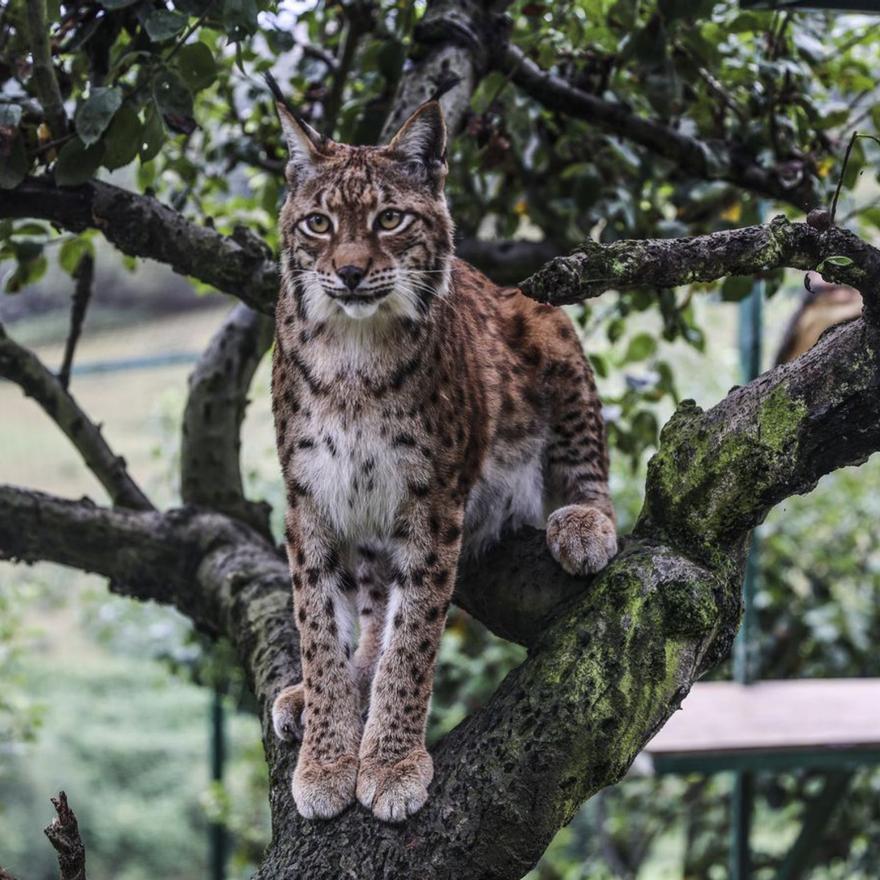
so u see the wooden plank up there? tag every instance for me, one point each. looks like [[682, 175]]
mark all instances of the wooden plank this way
[[718, 717]]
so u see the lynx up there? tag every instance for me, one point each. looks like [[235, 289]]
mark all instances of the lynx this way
[[420, 412]]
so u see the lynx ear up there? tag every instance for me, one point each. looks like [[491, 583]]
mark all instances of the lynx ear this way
[[421, 140], [304, 144]]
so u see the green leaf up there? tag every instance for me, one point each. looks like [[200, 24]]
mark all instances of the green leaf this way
[[27, 272], [197, 66], [640, 348], [72, 251], [14, 166], [175, 100], [94, 114], [838, 261], [162, 24], [117, 4], [153, 135], [240, 18], [123, 138], [77, 163], [736, 287], [10, 115]]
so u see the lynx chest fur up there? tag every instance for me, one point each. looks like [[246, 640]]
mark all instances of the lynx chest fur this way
[[420, 411]]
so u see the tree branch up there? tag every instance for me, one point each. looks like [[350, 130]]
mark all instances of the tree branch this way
[[210, 468], [710, 160], [593, 268], [82, 292], [22, 367], [141, 226], [45, 81], [452, 36], [63, 834]]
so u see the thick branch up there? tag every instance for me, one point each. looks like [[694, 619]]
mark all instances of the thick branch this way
[[21, 366], [218, 387], [452, 37], [141, 226], [63, 834], [711, 160], [593, 268]]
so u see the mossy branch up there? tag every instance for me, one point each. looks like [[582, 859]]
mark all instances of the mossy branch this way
[[593, 268]]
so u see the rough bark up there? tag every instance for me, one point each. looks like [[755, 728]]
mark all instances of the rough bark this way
[[451, 40], [593, 268], [215, 407], [63, 834], [710, 160], [142, 226]]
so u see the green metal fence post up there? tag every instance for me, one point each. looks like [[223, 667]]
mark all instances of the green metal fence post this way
[[745, 670]]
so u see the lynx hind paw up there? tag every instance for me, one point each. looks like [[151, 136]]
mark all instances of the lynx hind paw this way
[[582, 539], [395, 791], [288, 713]]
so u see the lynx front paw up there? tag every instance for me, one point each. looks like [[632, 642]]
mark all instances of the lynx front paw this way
[[288, 713], [395, 791], [323, 790], [581, 539]]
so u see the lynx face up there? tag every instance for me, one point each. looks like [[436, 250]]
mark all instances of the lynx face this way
[[366, 231]]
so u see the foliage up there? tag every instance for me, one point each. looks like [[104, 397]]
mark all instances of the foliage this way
[[174, 97]]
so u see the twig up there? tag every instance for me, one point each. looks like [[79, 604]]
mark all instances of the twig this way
[[63, 834], [852, 142], [44, 74], [82, 292], [359, 23]]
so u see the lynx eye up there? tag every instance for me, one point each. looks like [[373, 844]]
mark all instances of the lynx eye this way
[[389, 219], [318, 223]]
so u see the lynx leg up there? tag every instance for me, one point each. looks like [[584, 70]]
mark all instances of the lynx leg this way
[[395, 767], [326, 771], [373, 577], [581, 534]]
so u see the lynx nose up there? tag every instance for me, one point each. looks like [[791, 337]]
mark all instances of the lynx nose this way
[[351, 276]]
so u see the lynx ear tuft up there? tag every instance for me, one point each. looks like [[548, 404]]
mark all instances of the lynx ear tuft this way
[[304, 144], [421, 140]]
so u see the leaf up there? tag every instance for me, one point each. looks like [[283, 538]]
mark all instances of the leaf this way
[[197, 66], [736, 287], [240, 18], [153, 135], [175, 100], [77, 163], [94, 114], [162, 24], [117, 4], [640, 348], [72, 251], [13, 159], [10, 115], [839, 261], [123, 138]]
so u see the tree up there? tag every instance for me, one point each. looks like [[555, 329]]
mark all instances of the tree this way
[[686, 139]]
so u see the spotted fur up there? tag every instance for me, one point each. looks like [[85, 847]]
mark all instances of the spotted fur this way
[[420, 411]]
